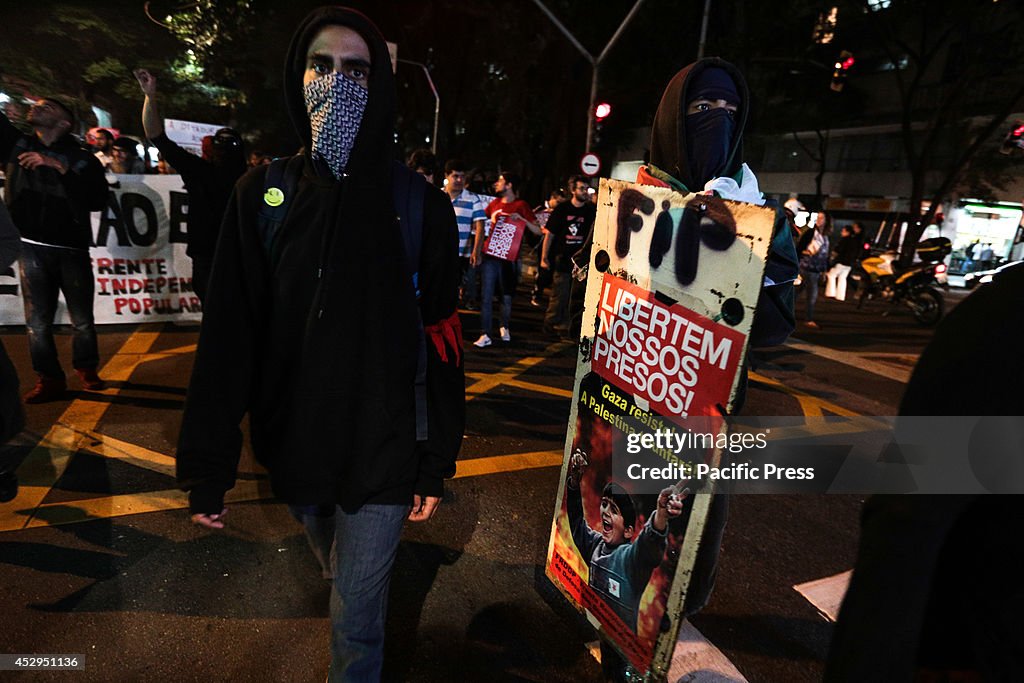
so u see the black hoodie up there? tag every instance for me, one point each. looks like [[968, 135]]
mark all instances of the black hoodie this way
[[320, 347], [208, 185]]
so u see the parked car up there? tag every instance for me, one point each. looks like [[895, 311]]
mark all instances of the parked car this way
[[983, 277]]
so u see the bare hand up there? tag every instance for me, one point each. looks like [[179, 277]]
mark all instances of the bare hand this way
[[210, 521], [423, 507], [546, 263], [147, 82], [33, 160], [474, 259], [671, 501]]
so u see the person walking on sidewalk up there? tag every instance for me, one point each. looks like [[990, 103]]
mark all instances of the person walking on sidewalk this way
[[52, 185]]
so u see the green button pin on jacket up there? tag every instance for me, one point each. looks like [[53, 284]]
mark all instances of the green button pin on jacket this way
[[273, 196]]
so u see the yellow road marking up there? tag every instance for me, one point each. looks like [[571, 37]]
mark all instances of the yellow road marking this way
[[139, 456], [812, 406], [46, 463], [508, 374], [539, 388], [70, 512], [76, 430], [478, 467]]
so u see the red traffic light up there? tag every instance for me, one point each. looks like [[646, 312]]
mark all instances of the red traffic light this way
[[848, 62], [602, 111]]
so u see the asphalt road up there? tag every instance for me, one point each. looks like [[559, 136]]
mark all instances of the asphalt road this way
[[98, 558]]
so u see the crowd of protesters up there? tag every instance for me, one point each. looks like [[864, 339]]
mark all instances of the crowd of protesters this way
[[353, 492]]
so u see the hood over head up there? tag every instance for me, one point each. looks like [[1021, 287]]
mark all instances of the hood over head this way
[[372, 150], [678, 146], [225, 149]]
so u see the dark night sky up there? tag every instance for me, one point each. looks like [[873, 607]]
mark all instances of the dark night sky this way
[[513, 89]]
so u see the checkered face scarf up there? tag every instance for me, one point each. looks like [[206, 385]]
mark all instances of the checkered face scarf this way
[[335, 105]]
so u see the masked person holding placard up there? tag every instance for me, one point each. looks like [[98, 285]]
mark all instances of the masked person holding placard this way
[[697, 146]]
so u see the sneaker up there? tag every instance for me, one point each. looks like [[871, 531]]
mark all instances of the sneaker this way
[[90, 380], [535, 302], [813, 325], [483, 341], [47, 389], [505, 335]]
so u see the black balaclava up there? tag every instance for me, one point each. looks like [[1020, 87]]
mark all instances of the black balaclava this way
[[709, 134], [227, 152], [671, 138]]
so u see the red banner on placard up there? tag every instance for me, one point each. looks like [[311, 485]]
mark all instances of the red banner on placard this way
[[681, 362], [505, 238]]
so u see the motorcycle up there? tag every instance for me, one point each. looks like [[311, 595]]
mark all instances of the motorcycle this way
[[915, 286]]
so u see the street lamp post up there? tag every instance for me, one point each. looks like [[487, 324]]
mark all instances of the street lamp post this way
[[595, 62], [437, 99]]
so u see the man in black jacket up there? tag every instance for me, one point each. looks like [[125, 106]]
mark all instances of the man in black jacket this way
[[208, 180], [52, 185], [318, 336]]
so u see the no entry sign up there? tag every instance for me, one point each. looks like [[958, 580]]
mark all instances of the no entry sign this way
[[590, 164]]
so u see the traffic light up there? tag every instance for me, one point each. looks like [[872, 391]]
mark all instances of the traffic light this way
[[1014, 139], [601, 112], [843, 65]]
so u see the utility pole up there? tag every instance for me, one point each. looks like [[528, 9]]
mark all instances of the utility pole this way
[[704, 30], [595, 62]]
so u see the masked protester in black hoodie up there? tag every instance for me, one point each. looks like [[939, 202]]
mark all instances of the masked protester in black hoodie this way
[[208, 180], [697, 146], [320, 343]]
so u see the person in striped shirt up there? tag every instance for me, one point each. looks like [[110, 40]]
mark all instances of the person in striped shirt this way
[[469, 213]]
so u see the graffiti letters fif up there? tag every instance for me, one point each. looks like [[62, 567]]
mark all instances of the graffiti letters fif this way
[[705, 220]]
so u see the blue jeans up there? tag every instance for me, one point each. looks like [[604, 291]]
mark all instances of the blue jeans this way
[[810, 281], [365, 544], [500, 275], [470, 288], [46, 272]]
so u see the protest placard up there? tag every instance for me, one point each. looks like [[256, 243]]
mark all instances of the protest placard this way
[[671, 293]]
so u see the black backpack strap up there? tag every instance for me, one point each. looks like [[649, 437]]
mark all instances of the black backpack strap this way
[[279, 187], [409, 194]]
